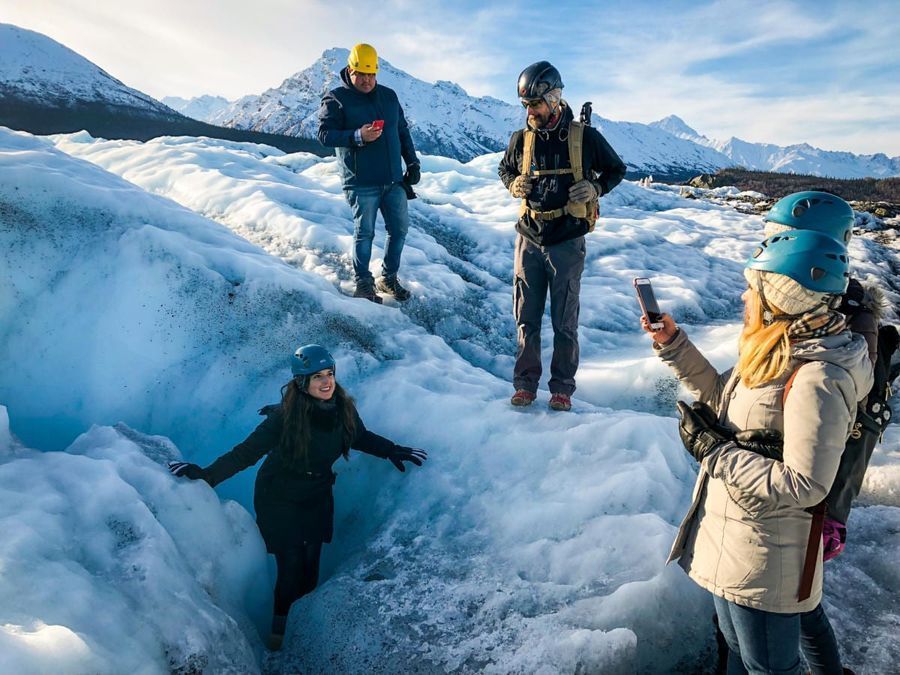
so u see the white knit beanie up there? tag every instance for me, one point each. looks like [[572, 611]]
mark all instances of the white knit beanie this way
[[772, 228], [784, 294]]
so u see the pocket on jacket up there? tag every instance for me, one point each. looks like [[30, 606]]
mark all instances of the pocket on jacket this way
[[752, 506]]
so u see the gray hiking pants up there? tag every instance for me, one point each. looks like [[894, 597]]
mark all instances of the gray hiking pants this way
[[538, 268]]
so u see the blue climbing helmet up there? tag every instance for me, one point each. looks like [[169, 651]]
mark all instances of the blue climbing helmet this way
[[814, 260], [310, 359], [819, 211]]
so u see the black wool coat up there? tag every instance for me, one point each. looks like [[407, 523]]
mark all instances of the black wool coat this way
[[294, 504]]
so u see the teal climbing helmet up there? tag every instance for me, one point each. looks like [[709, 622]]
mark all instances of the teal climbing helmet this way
[[812, 259], [310, 359], [818, 211]]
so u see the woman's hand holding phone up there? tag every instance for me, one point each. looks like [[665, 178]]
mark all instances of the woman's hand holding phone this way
[[663, 335]]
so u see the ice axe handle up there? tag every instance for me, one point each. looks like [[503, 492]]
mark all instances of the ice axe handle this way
[[586, 112]]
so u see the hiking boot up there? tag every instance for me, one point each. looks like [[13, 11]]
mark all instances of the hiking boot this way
[[560, 402], [366, 290], [391, 286], [522, 397]]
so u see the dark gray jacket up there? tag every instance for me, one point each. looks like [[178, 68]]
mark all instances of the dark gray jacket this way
[[344, 110], [601, 165]]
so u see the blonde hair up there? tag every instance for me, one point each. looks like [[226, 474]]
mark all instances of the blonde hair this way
[[764, 352]]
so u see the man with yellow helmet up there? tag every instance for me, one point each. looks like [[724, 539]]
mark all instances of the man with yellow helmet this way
[[365, 124]]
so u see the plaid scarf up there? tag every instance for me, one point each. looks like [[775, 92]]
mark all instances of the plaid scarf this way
[[817, 323]]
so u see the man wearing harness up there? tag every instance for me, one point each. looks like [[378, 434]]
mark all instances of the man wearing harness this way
[[559, 168]]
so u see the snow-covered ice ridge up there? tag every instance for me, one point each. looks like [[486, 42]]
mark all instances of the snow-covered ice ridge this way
[[163, 284]]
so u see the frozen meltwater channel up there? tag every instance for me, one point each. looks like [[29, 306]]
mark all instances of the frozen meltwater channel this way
[[530, 541]]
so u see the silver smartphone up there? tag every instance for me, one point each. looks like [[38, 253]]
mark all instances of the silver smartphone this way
[[648, 303]]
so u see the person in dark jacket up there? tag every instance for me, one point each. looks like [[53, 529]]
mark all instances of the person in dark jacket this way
[[557, 211], [364, 122], [315, 423]]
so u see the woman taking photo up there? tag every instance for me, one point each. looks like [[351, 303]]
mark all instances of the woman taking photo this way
[[315, 423], [768, 435]]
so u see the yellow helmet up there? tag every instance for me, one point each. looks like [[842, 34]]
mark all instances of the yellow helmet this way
[[363, 59]]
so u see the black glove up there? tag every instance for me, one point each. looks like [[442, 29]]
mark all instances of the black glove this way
[[401, 454], [765, 442], [698, 429], [186, 470], [413, 174], [407, 188]]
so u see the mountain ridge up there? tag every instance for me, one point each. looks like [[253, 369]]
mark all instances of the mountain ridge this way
[[48, 88]]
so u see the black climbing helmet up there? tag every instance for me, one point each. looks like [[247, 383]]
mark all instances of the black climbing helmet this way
[[537, 79]]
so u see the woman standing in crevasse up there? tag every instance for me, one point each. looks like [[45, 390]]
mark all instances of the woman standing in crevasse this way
[[315, 423], [768, 435]]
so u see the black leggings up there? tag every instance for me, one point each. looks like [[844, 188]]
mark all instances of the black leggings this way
[[298, 574]]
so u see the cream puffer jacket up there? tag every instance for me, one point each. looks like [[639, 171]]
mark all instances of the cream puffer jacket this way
[[745, 536]]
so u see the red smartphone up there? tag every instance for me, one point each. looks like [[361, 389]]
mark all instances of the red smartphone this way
[[378, 124], [648, 303]]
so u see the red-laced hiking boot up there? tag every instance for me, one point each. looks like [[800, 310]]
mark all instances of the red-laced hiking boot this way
[[522, 397], [560, 402]]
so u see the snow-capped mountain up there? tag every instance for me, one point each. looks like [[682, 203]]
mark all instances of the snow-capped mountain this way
[[199, 108], [47, 88], [801, 158], [445, 120], [36, 68]]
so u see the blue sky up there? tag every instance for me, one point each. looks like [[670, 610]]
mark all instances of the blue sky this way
[[826, 73]]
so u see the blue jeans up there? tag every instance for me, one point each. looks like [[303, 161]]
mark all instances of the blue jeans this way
[[759, 642], [819, 644], [365, 203]]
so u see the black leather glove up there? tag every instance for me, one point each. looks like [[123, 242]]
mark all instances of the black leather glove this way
[[407, 188], [401, 454], [413, 174], [187, 470], [698, 429], [765, 442]]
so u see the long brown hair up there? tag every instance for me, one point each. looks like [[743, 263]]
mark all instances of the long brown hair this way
[[764, 352], [297, 407]]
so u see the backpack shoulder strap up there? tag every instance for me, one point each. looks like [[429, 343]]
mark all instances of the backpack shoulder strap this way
[[527, 152], [788, 385], [576, 143]]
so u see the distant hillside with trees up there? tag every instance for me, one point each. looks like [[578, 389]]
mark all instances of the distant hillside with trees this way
[[777, 185], [118, 122]]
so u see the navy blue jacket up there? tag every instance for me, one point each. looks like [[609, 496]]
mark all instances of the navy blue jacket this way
[[344, 110]]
